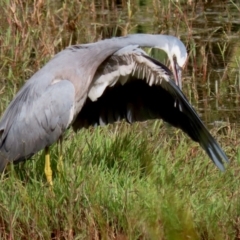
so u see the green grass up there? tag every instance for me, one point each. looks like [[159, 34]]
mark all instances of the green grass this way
[[128, 182], [145, 181]]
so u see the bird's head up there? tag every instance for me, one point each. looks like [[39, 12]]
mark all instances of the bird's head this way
[[178, 57]]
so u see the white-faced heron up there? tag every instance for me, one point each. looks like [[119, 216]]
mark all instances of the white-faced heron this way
[[97, 84]]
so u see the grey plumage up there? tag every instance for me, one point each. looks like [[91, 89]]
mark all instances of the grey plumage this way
[[60, 92], [29, 126]]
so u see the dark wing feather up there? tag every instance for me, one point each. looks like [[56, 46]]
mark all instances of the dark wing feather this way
[[137, 101]]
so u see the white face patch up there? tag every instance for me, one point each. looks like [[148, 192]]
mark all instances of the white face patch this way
[[180, 52]]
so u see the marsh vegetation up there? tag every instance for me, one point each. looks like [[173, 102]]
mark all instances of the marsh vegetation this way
[[145, 181]]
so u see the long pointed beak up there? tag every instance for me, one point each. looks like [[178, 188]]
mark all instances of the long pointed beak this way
[[177, 73]]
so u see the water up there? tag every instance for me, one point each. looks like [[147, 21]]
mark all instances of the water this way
[[215, 64], [211, 32], [209, 29]]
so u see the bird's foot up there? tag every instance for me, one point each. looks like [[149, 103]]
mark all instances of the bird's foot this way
[[47, 168], [48, 173]]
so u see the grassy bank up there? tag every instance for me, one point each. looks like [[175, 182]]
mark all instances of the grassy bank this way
[[123, 182], [146, 181]]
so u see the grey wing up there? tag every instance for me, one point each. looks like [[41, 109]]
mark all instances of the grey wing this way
[[37, 122], [118, 79], [141, 91]]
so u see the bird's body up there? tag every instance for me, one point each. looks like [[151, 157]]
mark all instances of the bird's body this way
[[64, 89]]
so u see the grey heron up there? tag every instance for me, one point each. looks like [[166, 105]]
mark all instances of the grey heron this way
[[97, 84]]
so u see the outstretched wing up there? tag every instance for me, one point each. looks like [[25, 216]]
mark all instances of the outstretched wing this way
[[133, 86], [35, 121]]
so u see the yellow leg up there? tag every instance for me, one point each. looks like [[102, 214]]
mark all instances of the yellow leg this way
[[60, 156], [47, 169]]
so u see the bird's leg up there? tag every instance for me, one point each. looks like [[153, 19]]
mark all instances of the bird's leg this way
[[60, 155], [47, 169]]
